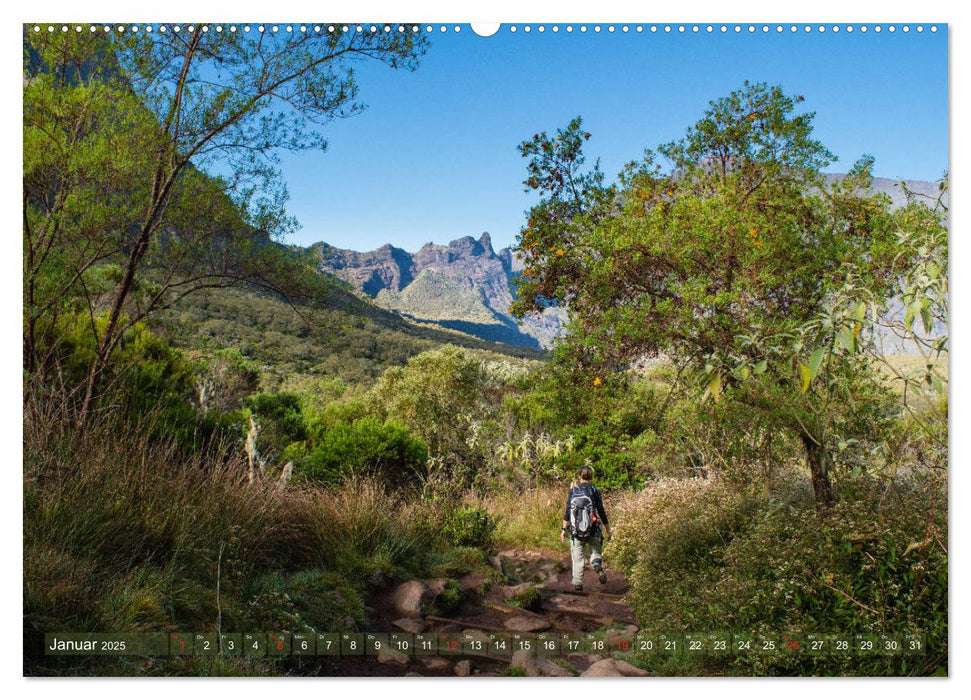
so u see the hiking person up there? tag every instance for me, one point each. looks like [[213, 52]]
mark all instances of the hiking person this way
[[586, 521]]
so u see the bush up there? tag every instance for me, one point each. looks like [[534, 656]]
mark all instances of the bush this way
[[470, 526], [281, 421], [430, 395], [877, 563], [530, 599], [701, 554], [448, 601], [669, 538], [608, 420], [365, 446], [456, 562]]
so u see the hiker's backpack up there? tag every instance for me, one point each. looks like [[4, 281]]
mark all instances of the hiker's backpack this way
[[582, 524]]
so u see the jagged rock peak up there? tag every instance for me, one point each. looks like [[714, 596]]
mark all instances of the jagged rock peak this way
[[485, 240], [458, 249], [467, 245]]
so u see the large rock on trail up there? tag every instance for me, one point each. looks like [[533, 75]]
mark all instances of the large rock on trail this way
[[527, 624], [472, 582], [536, 666], [507, 592], [413, 597], [629, 669], [407, 598], [411, 625], [463, 668], [393, 657], [613, 668], [435, 663], [436, 586]]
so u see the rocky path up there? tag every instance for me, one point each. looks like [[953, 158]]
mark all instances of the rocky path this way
[[530, 591]]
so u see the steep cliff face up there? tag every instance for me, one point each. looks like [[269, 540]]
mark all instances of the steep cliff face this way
[[385, 268], [464, 285]]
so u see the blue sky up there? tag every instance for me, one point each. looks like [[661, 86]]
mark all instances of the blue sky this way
[[434, 155]]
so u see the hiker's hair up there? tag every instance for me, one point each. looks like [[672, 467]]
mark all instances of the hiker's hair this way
[[586, 473]]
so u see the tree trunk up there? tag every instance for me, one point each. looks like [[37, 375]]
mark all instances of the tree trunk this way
[[822, 487], [111, 336], [92, 385], [30, 353]]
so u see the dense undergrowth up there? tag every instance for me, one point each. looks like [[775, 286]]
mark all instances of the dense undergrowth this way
[[704, 556], [126, 532], [146, 520]]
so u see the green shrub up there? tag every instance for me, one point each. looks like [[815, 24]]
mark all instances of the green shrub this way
[[469, 526], [449, 600], [877, 563], [365, 446], [701, 554], [530, 599], [430, 395], [281, 421], [457, 562]]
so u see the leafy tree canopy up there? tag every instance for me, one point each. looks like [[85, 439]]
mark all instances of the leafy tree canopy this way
[[725, 250], [150, 165]]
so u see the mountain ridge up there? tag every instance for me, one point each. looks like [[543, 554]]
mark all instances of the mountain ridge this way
[[465, 285]]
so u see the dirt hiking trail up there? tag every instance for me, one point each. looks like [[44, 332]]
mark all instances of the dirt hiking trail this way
[[539, 580]]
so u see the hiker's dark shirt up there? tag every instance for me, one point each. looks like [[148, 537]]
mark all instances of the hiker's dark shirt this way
[[594, 493]]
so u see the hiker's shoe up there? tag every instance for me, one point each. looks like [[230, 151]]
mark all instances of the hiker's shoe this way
[[578, 588], [603, 574]]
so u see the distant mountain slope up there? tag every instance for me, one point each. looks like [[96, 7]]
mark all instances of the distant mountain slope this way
[[463, 286], [927, 191]]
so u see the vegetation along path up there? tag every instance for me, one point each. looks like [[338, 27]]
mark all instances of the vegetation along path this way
[[528, 590]]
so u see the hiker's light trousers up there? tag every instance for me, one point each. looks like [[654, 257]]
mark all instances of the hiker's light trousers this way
[[579, 550]]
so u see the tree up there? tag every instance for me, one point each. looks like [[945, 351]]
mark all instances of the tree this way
[[149, 164], [433, 396], [737, 236]]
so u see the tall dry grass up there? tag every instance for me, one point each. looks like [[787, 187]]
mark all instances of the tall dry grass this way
[[528, 518], [124, 532]]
